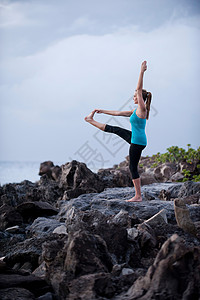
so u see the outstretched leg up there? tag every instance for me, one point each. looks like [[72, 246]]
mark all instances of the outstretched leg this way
[[90, 120]]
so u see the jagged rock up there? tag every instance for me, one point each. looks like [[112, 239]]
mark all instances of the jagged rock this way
[[164, 171], [77, 179], [45, 168], [115, 177], [183, 216], [29, 250], [87, 254], [184, 190], [9, 217], [171, 275], [31, 210]]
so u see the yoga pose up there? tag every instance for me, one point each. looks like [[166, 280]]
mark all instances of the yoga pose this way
[[137, 137]]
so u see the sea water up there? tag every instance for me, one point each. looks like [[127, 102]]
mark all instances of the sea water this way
[[15, 172]]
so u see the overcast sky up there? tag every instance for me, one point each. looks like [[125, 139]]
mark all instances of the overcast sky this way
[[61, 59]]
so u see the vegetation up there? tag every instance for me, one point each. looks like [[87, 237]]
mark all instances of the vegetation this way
[[176, 155]]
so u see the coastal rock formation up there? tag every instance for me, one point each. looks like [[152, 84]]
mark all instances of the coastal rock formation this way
[[73, 236], [171, 275]]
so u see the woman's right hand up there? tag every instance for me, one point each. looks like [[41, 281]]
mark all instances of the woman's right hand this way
[[144, 66]]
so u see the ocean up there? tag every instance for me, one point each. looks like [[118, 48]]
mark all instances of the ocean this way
[[15, 172]]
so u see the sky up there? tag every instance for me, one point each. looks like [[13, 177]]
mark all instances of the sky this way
[[61, 59]]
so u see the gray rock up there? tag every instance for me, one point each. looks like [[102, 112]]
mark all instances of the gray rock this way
[[158, 218], [60, 230], [43, 226], [13, 229]]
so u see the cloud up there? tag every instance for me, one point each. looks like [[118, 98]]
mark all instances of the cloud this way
[[55, 88], [14, 15]]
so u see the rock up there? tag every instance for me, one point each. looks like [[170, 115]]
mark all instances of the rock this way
[[147, 178], [27, 267], [35, 285], [183, 216], [164, 195], [16, 293], [132, 233], [60, 230], [87, 254], [184, 190], [9, 217], [56, 173], [45, 168], [147, 238], [171, 275], [127, 271], [164, 171], [43, 226], [31, 210], [158, 218], [177, 176], [115, 177], [13, 229], [47, 296], [77, 179], [29, 250]]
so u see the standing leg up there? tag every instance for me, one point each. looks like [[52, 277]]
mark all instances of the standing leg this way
[[134, 157]]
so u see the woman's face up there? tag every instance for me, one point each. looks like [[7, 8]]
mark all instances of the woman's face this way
[[135, 98]]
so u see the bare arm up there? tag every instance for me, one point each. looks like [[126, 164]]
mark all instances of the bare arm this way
[[115, 112], [141, 103]]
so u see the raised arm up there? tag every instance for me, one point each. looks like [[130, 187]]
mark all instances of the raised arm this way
[[141, 103], [114, 112]]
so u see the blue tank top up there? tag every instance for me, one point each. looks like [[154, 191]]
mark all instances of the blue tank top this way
[[138, 130]]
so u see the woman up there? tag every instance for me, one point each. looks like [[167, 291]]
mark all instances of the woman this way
[[137, 138]]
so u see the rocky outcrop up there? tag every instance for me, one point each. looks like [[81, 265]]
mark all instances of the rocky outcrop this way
[[171, 275], [75, 237]]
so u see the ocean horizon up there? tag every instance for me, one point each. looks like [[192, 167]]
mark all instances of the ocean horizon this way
[[18, 171]]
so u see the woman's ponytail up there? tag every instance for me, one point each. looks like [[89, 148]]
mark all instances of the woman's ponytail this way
[[148, 103]]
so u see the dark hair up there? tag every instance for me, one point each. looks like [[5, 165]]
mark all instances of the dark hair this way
[[147, 98]]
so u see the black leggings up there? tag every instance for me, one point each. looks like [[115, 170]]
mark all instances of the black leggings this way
[[134, 150]]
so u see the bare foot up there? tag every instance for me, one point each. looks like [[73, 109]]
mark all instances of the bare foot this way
[[89, 118], [134, 199]]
